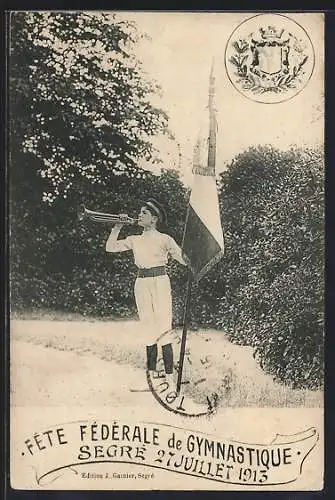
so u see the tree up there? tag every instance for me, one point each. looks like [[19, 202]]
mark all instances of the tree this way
[[80, 119], [79, 100]]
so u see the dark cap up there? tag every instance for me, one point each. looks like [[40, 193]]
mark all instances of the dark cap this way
[[157, 209]]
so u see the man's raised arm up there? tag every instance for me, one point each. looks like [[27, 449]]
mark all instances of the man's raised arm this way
[[115, 245]]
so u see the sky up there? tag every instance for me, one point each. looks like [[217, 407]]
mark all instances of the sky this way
[[179, 58]]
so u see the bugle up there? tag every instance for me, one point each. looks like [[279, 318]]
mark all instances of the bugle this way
[[85, 213]]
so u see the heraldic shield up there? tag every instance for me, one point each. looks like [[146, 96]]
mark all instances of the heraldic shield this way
[[270, 54]]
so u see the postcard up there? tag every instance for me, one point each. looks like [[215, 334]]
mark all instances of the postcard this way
[[166, 193]]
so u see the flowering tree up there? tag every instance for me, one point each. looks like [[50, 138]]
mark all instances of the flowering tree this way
[[79, 100]]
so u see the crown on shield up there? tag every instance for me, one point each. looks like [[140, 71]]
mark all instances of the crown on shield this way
[[271, 33]]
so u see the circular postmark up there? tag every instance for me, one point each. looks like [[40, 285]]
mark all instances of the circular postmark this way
[[269, 58], [205, 383]]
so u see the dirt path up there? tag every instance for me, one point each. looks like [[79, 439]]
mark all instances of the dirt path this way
[[78, 363], [44, 376]]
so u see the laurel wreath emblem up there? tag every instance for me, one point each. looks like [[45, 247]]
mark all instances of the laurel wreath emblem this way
[[258, 83]]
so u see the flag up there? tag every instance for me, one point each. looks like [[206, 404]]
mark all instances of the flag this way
[[203, 241]]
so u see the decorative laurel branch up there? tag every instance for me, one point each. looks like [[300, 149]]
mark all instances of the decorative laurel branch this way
[[240, 57], [252, 82]]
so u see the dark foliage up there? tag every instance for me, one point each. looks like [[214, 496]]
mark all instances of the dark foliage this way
[[272, 210]]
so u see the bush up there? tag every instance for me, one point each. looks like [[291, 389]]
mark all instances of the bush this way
[[272, 210]]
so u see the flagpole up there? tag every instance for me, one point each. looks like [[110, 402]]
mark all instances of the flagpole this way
[[185, 327], [211, 167]]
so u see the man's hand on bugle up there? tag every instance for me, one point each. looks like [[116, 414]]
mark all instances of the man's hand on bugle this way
[[113, 244], [120, 223]]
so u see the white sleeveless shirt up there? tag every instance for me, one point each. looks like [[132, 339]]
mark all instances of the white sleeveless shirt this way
[[151, 249]]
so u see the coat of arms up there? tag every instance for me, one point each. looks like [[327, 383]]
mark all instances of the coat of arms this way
[[272, 61]]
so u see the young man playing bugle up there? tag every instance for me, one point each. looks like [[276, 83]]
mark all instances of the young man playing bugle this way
[[152, 289]]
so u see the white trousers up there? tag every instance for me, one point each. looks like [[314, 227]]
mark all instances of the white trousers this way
[[154, 305]]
